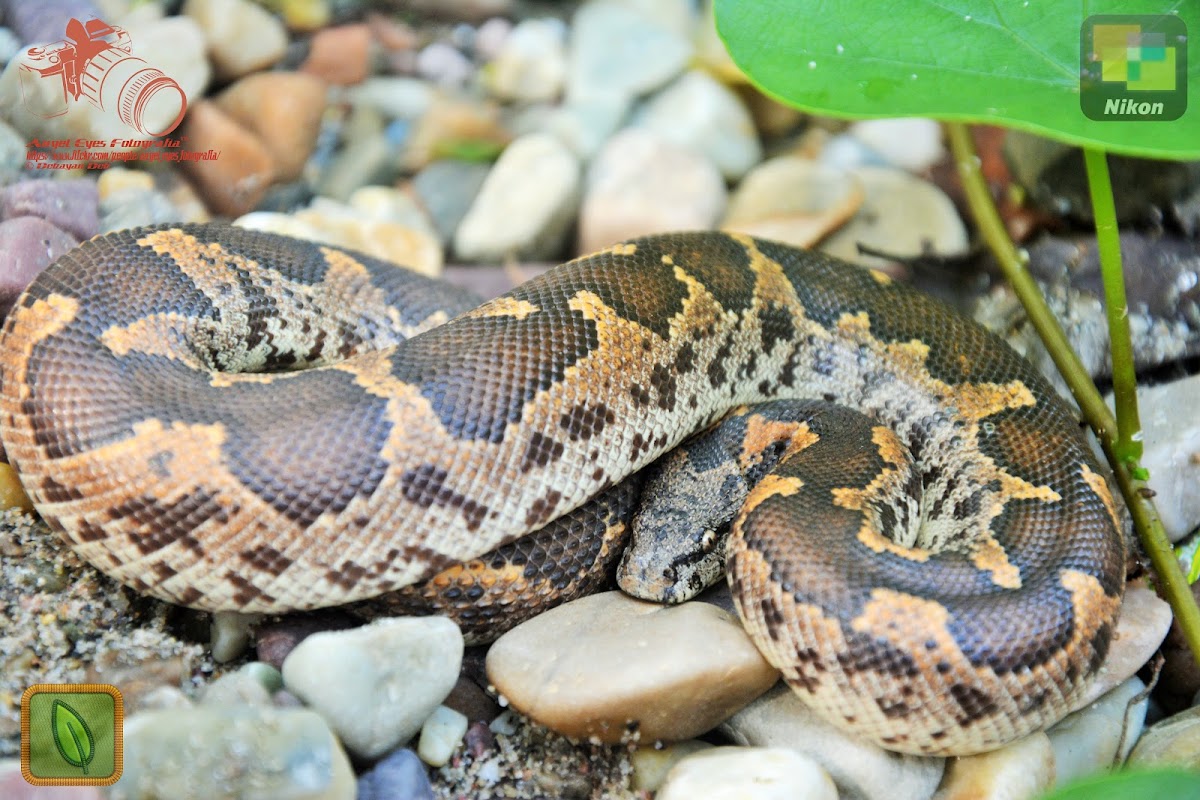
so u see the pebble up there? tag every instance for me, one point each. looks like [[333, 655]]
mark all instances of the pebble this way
[[387, 204], [284, 109], [242, 36], [340, 55], [861, 770], [227, 751], [10, 45], [531, 63], [441, 735], [29, 244], [119, 179], [229, 634], [71, 205], [130, 208], [450, 126], [1021, 770], [1145, 620], [176, 45], [377, 684], [303, 16], [607, 666], [409, 242], [234, 183], [651, 764], [1089, 740], [12, 154], [141, 679], [640, 184], [237, 689], [526, 204], [1175, 741], [444, 65], [902, 216], [393, 96], [446, 189], [909, 143], [701, 114], [747, 773], [45, 21], [793, 200], [1170, 417], [585, 125], [399, 776], [614, 49]]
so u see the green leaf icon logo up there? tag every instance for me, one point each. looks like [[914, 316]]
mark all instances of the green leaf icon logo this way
[[72, 735]]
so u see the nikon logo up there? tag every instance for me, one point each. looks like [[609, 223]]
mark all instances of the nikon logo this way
[[1133, 67], [1131, 108]]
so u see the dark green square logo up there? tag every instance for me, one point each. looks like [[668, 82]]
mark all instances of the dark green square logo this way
[[1133, 67], [71, 734]]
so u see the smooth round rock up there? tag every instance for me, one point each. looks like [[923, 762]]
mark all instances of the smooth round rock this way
[[640, 184], [399, 776], [793, 200], [1173, 742], [284, 109], [242, 37], [377, 684], [70, 205], [446, 189], [1144, 622], [861, 770], [441, 734], [651, 764], [614, 48], [902, 216], [1022, 769], [910, 143], [526, 203], [340, 55], [234, 183], [29, 244], [1088, 740], [747, 773], [607, 666], [701, 114], [225, 751], [531, 65]]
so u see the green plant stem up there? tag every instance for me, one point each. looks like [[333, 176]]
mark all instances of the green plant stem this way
[[1108, 242], [1171, 582]]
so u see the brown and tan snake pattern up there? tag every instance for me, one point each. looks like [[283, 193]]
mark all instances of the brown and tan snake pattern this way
[[234, 420]]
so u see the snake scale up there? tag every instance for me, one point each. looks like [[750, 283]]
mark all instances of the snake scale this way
[[227, 419]]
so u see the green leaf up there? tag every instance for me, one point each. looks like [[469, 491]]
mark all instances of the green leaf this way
[[72, 735], [1013, 63], [1175, 784]]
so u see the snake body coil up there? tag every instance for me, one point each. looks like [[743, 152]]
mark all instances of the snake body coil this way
[[960, 588]]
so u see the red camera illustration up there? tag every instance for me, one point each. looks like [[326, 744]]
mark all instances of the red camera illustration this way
[[95, 63]]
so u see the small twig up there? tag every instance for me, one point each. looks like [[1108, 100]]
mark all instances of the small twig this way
[[1171, 583]]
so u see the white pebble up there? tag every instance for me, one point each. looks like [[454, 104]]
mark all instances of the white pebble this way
[[440, 734]]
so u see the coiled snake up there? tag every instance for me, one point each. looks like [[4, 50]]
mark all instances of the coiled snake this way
[[943, 578]]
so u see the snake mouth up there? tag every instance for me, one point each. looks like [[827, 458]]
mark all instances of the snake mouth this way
[[644, 573]]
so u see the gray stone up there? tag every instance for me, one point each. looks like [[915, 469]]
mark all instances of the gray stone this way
[[446, 189], [640, 185], [399, 776], [913, 144], [377, 684], [747, 773], [225, 751], [703, 115], [861, 770], [614, 48], [12, 154], [130, 208], [526, 204], [394, 97]]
